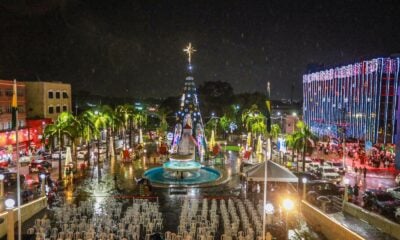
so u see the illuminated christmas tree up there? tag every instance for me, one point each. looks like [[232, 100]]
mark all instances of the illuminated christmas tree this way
[[189, 112]]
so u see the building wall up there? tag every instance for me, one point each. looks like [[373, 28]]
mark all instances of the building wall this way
[[358, 100], [48, 99], [289, 123], [6, 91]]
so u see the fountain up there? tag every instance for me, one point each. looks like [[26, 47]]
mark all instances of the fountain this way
[[182, 168]]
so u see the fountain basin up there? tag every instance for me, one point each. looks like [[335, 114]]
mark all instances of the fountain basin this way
[[182, 166], [182, 157], [162, 176]]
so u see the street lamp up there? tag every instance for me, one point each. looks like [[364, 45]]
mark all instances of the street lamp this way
[[42, 178], [269, 210], [1, 192], [304, 180], [10, 203], [346, 182], [288, 205]]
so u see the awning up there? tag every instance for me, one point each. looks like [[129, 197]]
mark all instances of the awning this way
[[275, 173]]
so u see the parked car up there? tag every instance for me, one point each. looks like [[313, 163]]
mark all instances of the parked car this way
[[319, 188], [56, 155], [329, 173], [10, 178], [381, 201], [39, 165], [307, 175], [313, 167], [338, 166], [394, 191]]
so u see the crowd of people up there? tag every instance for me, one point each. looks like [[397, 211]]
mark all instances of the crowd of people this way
[[377, 156]]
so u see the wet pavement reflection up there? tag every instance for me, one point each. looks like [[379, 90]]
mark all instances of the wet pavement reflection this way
[[119, 181]]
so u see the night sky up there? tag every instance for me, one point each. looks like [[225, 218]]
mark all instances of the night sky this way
[[134, 48]]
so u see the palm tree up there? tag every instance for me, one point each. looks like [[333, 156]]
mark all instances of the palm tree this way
[[224, 123], [88, 130], [291, 141], [258, 127], [251, 116], [275, 131], [138, 120], [64, 126], [110, 126], [124, 113], [211, 125], [304, 137], [101, 120], [162, 114], [254, 120]]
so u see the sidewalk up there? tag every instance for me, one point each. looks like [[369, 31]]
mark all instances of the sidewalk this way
[[362, 228]]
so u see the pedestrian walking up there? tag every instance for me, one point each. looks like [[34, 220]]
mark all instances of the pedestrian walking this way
[[350, 194], [365, 172], [355, 170]]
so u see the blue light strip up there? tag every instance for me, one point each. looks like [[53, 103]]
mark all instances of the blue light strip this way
[[396, 85], [352, 95]]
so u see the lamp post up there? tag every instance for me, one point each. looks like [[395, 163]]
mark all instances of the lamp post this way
[[42, 186], [304, 180], [346, 182], [269, 210], [10, 218], [59, 158], [1, 192], [288, 206]]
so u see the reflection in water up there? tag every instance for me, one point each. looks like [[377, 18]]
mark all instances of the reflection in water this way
[[69, 196]]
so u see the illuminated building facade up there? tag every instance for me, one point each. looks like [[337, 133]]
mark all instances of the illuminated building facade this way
[[7, 135], [360, 100], [47, 99]]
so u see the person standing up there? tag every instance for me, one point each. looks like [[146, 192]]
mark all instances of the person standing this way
[[355, 192], [365, 172]]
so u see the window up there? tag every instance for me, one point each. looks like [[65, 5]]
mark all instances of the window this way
[[9, 92], [51, 94], [51, 110], [65, 95], [58, 95], [65, 108], [58, 109]]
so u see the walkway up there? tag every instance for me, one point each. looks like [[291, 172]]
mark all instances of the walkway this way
[[364, 229]]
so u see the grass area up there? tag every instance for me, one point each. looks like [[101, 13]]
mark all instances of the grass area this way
[[231, 148]]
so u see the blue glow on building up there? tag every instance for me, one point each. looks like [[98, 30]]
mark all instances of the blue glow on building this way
[[360, 99]]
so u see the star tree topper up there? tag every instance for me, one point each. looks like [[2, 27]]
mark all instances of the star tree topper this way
[[189, 51]]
